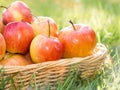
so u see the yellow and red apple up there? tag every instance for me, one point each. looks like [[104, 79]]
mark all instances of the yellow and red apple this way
[[40, 26], [44, 48], [78, 40], [14, 60]]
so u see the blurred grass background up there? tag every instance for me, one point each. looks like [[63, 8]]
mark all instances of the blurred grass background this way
[[102, 15]]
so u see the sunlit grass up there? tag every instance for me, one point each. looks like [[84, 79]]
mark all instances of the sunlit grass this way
[[103, 16]]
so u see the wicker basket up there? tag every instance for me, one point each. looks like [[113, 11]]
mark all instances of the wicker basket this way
[[50, 72]]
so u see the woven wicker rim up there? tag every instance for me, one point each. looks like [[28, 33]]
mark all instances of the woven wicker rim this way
[[102, 52]]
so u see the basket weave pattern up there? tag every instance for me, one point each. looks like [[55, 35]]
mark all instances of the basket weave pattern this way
[[50, 72]]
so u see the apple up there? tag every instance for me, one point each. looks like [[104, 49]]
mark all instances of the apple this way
[[14, 60], [7, 55], [78, 40], [40, 26], [28, 57], [18, 36], [45, 48], [1, 26], [17, 11], [2, 46]]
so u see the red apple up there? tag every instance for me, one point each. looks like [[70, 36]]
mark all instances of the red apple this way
[[18, 36], [45, 48], [17, 11], [40, 26], [14, 60], [78, 40], [2, 46]]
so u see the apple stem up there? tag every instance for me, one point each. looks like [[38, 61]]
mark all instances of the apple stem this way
[[3, 7], [72, 25], [49, 28]]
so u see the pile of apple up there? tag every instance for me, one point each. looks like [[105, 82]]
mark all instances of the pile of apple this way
[[25, 39]]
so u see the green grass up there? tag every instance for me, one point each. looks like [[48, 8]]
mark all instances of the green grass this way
[[103, 16]]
